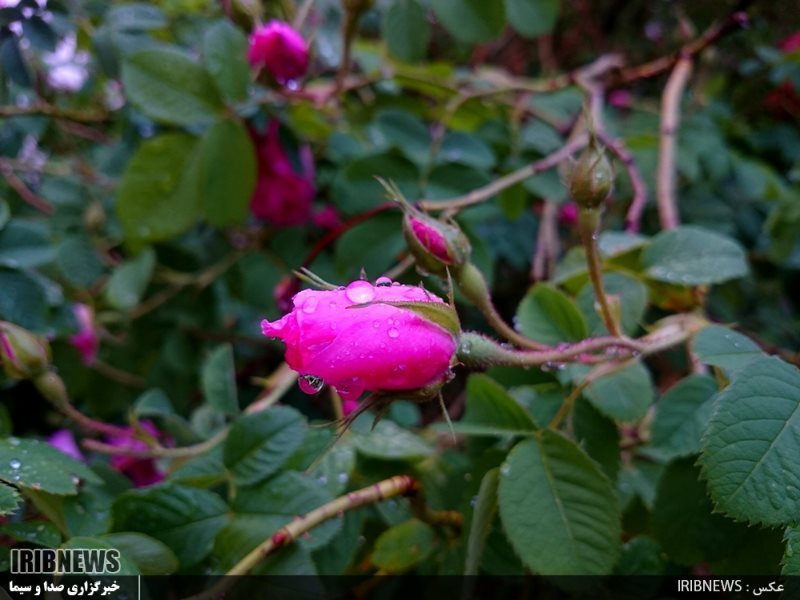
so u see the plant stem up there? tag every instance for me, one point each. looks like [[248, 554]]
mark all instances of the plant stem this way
[[670, 119], [400, 485], [484, 193], [588, 224], [472, 284]]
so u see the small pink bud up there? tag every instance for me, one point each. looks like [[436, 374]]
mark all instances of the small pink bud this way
[[568, 214], [86, 341], [23, 354], [142, 471], [280, 50], [434, 244]]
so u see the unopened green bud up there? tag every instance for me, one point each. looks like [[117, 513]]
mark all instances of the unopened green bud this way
[[592, 178], [51, 386], [23, 354]]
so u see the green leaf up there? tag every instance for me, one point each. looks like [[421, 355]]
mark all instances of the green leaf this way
[[549, 316], [470, 21], [219, 380], [205, 470], [598, 436], [751, 452], [460, 147], [382, 234], [683, 517], [150, 556], [135, 16], [78, 261], [390, 442], [258, 444], [157, 196], [725, 348], [558, 508], [482, 519], [355, 188], [226, 173], [334, 469], [126, 565], [168, 85], [185, 519], [36, 465], [490, 410], [401, 547], [5, 213], [532, 18], [225, 57], [406, 30], [682, 415], [129, 281], [39, 33], [23, 301], [9, 500], [790, 565], [25, 244], [691, 255], [632, 295], [405, 132], [624, 395], [41, 533], [260, 511]]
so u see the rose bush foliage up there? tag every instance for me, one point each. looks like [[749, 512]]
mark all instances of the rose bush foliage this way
[[177, 177]]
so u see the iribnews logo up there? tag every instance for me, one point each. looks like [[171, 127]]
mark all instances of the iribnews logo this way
[[64, 561]]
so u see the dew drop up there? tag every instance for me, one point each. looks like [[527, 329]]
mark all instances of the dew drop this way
[[505, 470], [14, 463], [383, 281], [310, 384], [466, 347], [310, 305], [342, 478], [393, 333], [473, 501], [360, 292], [13, 441]]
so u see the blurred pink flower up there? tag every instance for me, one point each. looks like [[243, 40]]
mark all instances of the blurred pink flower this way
[[282, 196], [568, 214], [280, 50], [63, 440], [86, 341], [379, 347], [327, 218], [142, 471], [790, 43], [349, 406], [621, 99]]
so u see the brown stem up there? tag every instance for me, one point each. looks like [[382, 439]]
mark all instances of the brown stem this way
[[717, 30], [157, 451], [400, 485], [23, 190], [55, 112], [547, 243], [484, 193], [588, 224], [670, 119]]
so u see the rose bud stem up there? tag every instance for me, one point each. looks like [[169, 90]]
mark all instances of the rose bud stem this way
[[588, 225], [590, 184], [471, 283], [477, 351]]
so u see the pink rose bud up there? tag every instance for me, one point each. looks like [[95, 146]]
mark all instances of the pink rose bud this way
[[435, 244], [142, 471], [568, 214], [280, 50], [367, 337], [63, 440], [282, 197], [86, 341], [23, 354]]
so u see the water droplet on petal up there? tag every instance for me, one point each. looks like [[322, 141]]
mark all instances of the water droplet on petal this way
[[383, 281], [310, 305], [310, 384], [393, 333], [360, 292], [14, 463], [376, 324]]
